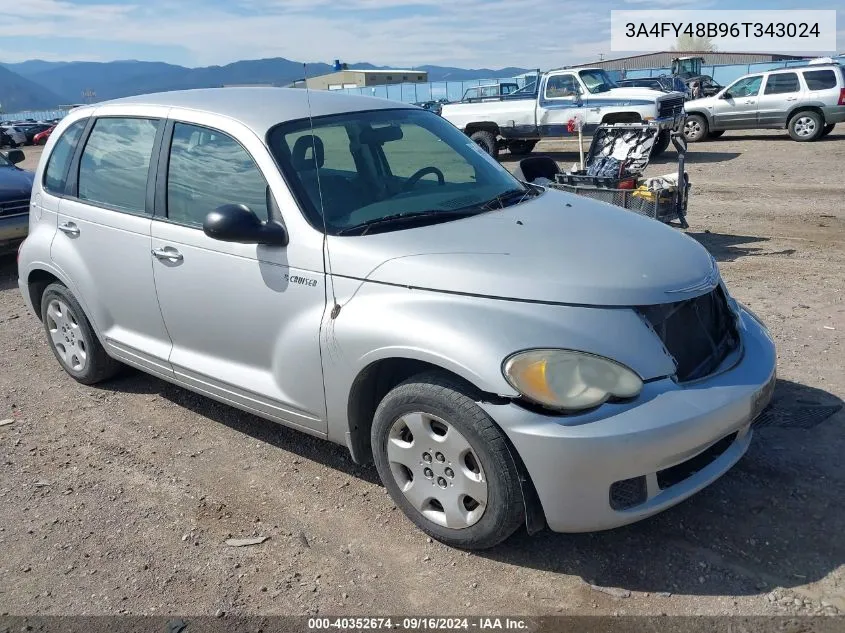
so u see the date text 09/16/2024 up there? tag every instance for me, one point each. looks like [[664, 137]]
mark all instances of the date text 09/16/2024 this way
[[417, 623]]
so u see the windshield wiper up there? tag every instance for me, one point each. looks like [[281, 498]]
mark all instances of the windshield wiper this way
[[400, 218], [508, 195]]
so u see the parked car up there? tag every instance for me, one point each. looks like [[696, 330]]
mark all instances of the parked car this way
[[354, 268], [808, 101], [41, 137], [15, 190], [519, 120], [664, 84], [489, 92], [11, 136], [31, 130]]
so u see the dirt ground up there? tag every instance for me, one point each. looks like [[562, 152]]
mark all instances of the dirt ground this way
[[118, 499]]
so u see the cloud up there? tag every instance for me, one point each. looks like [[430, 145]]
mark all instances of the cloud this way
[[479, 33]]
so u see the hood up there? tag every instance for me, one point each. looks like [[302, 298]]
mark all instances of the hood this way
[[703, 102], [15, 183], [632, 92], [555, 248]]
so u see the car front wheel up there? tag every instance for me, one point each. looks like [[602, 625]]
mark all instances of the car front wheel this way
[[446, 464]]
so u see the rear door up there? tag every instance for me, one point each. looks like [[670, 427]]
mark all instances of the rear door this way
[[780, 92], [103, 238], [737, 107]]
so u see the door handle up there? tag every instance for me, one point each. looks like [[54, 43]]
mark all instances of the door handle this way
[[792, 98], [749, 102], [69, 228], [167, 252]]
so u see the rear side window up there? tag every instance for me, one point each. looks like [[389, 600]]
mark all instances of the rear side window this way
[[782, 83], [55, 175], [115, 162], [820, 79], [207, 170]]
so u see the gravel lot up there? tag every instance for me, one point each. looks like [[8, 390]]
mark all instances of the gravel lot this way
[[119, 499]]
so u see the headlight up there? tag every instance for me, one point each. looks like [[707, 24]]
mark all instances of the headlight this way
[[563, 379]]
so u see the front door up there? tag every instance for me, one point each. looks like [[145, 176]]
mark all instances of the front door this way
[[737, 107], [559, 104], [244, 320], [103, 240]]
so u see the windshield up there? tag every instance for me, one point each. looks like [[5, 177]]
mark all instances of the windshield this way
[[362, 167], [596, 81]]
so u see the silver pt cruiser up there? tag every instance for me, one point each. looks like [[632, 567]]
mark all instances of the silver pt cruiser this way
[[358, 269]]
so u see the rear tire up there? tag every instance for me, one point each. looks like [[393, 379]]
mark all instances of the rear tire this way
[[72, 339], [715, 134], [486, 141], [827, 129], [696, 128], [521, 148], [805, 126], [446, 464]]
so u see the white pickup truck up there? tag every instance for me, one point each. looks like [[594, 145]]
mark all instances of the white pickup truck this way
[[545, 109]]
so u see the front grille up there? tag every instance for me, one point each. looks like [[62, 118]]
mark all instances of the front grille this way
[[670, 107], [676, 474], [14, 207], [699, 333], [628, 493]]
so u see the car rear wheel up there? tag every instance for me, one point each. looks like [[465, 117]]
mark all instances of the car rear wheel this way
[[486, 141], [827, 129], [72, 338], [695, 128], [805, 126], [446, 464]]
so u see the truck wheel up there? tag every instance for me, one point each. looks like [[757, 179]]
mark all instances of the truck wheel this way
[[696, 128], [805, 126], [661, 144], [446, 464], [715, 134], [827, 129], [486, 141], [521, 148]]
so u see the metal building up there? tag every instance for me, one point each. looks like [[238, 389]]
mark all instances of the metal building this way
[[663, 59], [352, 78]]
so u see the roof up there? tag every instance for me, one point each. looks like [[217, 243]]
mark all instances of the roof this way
[[379, 70], [259, 108]]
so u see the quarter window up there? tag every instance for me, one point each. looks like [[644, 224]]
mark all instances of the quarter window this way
[[782, 83], [57, 166], [820, 79], [207, 170], [115, 163]]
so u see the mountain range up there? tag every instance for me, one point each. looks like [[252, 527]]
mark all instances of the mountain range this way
[[37, 84]]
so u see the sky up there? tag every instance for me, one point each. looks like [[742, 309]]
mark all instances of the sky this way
[[466, 33]]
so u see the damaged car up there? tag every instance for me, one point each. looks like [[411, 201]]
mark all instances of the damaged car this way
[[507, 355]]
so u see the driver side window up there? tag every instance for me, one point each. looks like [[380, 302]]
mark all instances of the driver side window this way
[[748, 87], [562, 86]]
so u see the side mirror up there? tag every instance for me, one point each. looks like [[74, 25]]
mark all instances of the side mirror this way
[[236, 223], [726, 95], [15, 156]]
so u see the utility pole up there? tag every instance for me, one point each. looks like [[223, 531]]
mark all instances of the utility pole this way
[[601, 57]]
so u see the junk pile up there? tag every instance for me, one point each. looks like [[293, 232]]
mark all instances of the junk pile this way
[[613, 172]]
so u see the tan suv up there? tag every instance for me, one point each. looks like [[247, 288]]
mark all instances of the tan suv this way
[[807, 101]]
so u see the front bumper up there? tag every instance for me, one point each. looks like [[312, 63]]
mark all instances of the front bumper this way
[[575, 461]]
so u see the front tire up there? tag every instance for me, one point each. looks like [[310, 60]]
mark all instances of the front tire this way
[[696, 128], [486, 141], [805, 126], [661, 144], [446, 464], [72, 339]]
